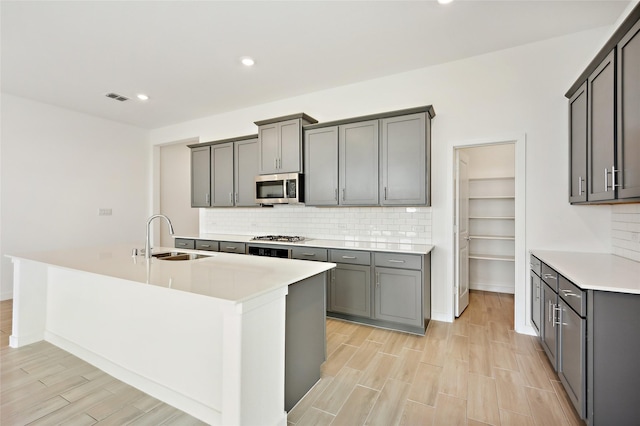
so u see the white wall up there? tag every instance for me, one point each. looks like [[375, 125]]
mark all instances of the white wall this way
[[58, 168], [515, 91]]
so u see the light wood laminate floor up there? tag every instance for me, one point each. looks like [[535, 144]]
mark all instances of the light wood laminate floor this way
[[41, 384], [474, 371]]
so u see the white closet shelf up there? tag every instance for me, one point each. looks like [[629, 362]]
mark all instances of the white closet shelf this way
[[492, 257], [492, 197], [492, 237]]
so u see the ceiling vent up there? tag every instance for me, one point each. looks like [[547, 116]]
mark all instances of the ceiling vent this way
[[117, 97]]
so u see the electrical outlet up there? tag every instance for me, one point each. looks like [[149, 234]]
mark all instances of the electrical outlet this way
[[105, 212]]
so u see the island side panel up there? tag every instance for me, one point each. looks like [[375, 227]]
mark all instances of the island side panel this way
[[164, 342], [29, 302], [305, 337]]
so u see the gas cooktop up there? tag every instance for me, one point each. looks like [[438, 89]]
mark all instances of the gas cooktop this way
[[281, 238]]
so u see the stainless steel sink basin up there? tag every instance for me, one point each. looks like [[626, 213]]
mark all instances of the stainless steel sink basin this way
[[175, 255]]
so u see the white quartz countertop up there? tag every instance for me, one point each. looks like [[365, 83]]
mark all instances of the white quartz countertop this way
[[320, 243], [594, 271], [233, 277]]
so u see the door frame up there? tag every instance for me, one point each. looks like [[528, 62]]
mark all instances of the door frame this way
[[460, 157], [521, 295]]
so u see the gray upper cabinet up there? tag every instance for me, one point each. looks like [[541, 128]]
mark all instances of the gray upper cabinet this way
[[601, 130], [381, 159], [628, 52], [280, 143], [321, 166], [358, 165], [403, 160], [246, 169], [223, 172], [200, 176], [222, 175], [578, 146], [612, 97], [342, 165]]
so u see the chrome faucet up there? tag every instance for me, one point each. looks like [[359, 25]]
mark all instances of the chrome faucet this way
[[147, 245]]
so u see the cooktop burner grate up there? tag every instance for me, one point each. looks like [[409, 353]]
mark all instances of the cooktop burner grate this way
[[282, 238]]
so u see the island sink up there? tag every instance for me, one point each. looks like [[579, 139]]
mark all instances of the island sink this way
[[174, 255]]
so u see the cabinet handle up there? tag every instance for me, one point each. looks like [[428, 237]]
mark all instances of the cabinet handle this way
[[385, 192], [549, 311], [236, 198], [231, 197], [613, 177], [275, 163], [579, 185], [537, 291], [343, 191], [308, 254], [206, 197], [378, 279], [549, 276], [559, 318], [349, 257], [606, 180], [336, 194], [395, 261], [569, 293], [231, 248], [182, 244], [205, 245]]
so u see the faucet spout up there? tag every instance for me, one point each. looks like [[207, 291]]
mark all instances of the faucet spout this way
[[147, 245]]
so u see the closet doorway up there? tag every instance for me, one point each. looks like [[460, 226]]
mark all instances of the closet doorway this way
[[485, 220]]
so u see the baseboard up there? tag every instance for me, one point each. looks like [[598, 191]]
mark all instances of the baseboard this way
[[492, 288], [157, 390]]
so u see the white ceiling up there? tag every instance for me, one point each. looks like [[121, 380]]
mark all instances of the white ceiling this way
[[185, 54]]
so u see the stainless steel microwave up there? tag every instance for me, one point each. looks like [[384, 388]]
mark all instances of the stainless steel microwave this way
[[280, 189]]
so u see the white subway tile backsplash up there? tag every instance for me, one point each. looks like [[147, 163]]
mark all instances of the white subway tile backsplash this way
[[625, 231], [383, 224]]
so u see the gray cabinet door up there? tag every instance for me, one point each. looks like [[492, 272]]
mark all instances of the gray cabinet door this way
[[350, 290], [321, 166], [536, 303], [572, 367], [222, 175], [398, 296], [578, 146], [629, 114], [601, 130], [403, 162], [246, 169], [200, 177], [549, 329], [358, 166], [290, 135], [268, 148]]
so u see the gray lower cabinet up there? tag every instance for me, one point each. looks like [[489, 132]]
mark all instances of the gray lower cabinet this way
[[232, 247], [549, 337], [398, 296], [185, 243], [536, 301], [572, 355], [404, 146], [350, 290], [207, 245]]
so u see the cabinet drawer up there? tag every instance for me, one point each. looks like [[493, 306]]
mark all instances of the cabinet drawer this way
[[185, 243], [232, 247], [394, 260], [309, 253], [550, 276], [207, 245], [351, 256], [536, 265], [572, 295]]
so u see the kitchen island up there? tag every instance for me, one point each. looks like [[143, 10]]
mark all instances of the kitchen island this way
[[205, 335]]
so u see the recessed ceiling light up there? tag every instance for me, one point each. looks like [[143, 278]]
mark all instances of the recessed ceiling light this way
[[142, 97], [444, 1], [247, 61]]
